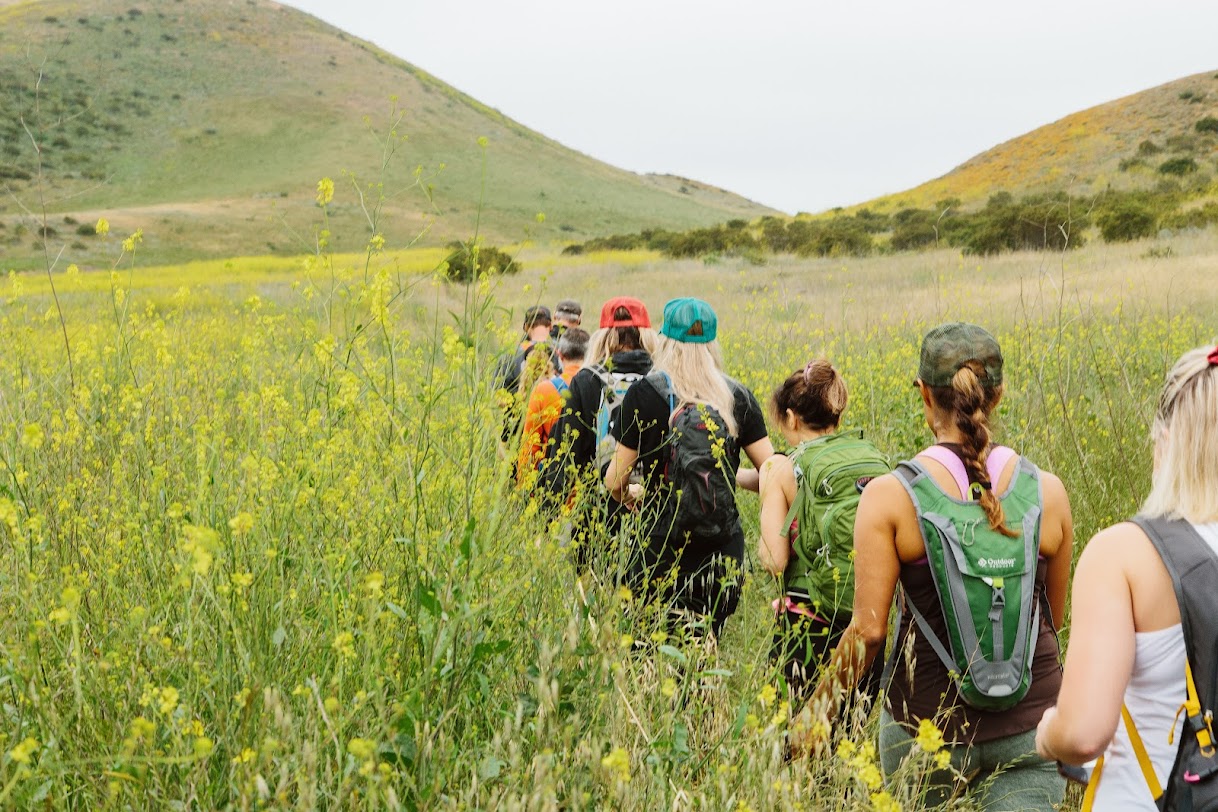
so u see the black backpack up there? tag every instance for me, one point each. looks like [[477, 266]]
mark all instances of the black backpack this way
[[1192, 785], [700, 466]]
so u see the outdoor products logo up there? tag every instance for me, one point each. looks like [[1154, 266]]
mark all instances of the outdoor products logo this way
[[995, 562]]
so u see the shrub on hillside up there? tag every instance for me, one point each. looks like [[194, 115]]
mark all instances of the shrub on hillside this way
[[1209, 124], [1046, 222], [1149, 147], [913, 229], [1178, 166], [1202, 217], [1127, 219], [471, 260]]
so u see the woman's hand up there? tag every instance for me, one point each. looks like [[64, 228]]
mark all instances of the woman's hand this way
[[1042, 735]]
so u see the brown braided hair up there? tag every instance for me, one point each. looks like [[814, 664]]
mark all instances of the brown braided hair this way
[[816, 394], [969, 401]]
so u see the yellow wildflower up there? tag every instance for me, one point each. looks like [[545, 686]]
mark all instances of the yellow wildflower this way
[[929, 737], [135, 239], [344, 644], [363, 749], [617, 764], [883, 802], [103, 227], [325, 191], [32, 436], [241, 524], [669, 688], [23, 752], [767, 695]]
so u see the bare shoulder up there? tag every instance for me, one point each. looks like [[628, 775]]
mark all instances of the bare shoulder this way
[[1118, 543], [886, 496], [777, 464]]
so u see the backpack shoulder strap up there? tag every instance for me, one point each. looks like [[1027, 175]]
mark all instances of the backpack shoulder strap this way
[[1192, 565], [1183, 551], [560, 385], [660, 381]]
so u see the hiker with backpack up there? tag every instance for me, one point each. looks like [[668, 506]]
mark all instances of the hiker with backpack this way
[[545, 405], [808, 503], [508, 374], [536, 329], [1141, 677], [979, 541], [582, 447], [686, 425]]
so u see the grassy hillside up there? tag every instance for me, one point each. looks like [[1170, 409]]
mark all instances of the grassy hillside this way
[[1121, 144], [208, 122]]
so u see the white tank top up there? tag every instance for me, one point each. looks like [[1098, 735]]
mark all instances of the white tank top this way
[[1154, 694]]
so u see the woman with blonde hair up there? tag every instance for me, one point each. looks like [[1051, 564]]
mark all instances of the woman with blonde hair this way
[[1138, 634], [686, 425]]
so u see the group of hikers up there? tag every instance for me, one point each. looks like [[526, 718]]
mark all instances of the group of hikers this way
[[635, 436]]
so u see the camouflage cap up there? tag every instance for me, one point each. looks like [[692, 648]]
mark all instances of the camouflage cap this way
[[948, 347]]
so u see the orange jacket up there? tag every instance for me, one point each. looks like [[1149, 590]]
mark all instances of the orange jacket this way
[[542, 412]]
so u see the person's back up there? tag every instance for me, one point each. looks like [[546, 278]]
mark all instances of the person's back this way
[[678, 562], [910, 530], [1127, 646], [545, 406]]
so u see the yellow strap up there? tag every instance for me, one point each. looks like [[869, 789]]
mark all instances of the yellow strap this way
[[1205, 735], [1092, 785], [1139, 749]]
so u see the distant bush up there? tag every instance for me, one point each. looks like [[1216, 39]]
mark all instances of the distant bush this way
[[1201, 217], [86, 230], [1126, 220], [914, 229], [1127, 164], [1149, 147], [1047, 222], [1209, 124], [1178, 166], [1181, 142], [470, 260]]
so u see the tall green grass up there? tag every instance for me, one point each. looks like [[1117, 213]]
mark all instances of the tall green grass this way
[[259, 548]]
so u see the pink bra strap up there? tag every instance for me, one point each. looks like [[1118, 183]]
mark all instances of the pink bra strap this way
[[995, 463], [948, 459]]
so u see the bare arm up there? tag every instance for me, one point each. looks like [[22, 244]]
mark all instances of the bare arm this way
[[1099, 660], [617, 477], [877, 566], [777, 489], [1057, 578]]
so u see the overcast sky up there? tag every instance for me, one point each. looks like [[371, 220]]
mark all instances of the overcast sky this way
[[798, 104]]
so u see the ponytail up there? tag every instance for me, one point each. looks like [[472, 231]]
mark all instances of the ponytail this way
[[970, 403]]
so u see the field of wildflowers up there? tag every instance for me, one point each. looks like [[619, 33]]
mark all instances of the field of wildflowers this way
[[258, 550]]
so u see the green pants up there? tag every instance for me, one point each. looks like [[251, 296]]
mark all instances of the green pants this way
[[1005, 775]]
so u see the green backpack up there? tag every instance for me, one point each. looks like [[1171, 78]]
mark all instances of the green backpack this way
[[830, 474], [986, 584]]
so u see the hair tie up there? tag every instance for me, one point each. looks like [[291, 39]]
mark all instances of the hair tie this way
[[1213, 357], [808, 368]]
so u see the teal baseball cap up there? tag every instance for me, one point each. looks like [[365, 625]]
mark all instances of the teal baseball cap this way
[[690, 321], [948, 347]]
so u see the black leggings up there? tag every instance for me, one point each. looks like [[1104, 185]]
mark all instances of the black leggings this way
[[802, 645]]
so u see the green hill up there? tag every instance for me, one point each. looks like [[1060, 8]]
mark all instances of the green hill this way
[[208, 123], [1122, 145]]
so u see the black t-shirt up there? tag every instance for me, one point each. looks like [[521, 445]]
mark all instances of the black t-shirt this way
[[642, 425]]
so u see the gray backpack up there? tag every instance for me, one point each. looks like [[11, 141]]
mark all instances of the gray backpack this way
[[1192, 785]]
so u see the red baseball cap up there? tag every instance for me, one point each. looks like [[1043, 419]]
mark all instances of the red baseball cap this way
[[638, 313]]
